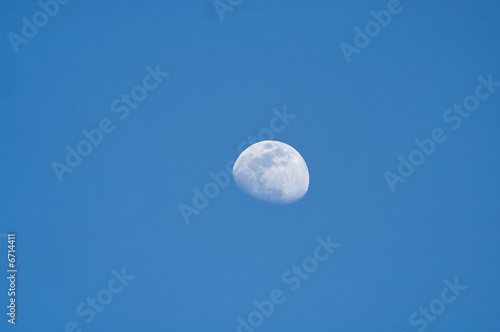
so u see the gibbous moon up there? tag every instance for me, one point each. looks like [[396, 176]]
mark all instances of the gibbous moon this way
[[272, 171]]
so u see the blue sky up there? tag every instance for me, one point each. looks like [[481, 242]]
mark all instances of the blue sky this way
[[119, 207]]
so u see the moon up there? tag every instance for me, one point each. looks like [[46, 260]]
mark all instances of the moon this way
[[272, 171]]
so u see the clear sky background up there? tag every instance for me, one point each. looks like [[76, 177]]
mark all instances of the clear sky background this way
[[119, 207]]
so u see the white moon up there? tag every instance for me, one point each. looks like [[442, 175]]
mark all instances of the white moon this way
[[272, 171]]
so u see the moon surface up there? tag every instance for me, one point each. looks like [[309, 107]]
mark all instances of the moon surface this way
[[272, 171]]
